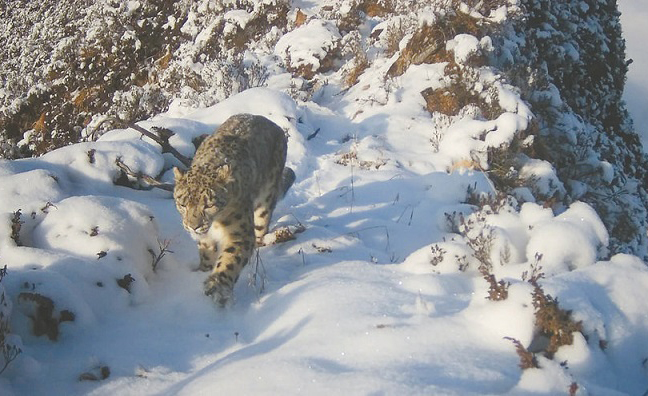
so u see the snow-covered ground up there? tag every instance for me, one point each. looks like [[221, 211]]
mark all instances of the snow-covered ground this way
[[634, 14], [379, 292]]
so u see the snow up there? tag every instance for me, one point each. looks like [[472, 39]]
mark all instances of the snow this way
[[568, 241], [464, 47], [382, 291], [309, 44]]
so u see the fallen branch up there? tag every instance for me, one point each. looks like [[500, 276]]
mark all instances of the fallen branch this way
[[151, 181], [163, 140]]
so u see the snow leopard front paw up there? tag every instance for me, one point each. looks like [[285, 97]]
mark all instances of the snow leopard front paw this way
[[221, 293]]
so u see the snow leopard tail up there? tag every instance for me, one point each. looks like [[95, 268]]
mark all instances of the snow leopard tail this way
[[287, 180]]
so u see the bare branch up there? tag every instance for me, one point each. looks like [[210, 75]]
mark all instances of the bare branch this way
[[143, 177], [164, 142], [164, 249]]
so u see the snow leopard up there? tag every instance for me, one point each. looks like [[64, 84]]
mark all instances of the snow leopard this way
[[227, 196]]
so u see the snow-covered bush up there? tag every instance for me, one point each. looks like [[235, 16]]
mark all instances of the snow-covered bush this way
[[296, 48], [568, 58]]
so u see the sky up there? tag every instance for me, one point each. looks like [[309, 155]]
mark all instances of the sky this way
[[634, 14]]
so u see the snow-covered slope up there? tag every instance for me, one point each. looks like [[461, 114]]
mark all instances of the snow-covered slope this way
[[423, 249]]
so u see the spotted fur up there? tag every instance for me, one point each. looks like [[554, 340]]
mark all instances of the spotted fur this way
[[227, 197]]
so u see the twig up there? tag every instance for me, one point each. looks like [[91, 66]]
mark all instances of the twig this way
[[164, 142], [164, 249], [411, 208], [259, 274], [9, 354], [312, 135]]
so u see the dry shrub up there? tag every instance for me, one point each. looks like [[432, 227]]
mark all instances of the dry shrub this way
[[394, 35], [482, 246], [300, 18], [269, 15], [437, 255], [450, 100], [498, 290], [360, 64], [45, 319], [352, 42], [552, 321], [83, 100], [377, 8], [527, 359], [16, 225], [359, 10], [427, 45]]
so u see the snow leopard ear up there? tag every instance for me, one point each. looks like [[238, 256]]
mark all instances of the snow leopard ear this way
[[177, 173]]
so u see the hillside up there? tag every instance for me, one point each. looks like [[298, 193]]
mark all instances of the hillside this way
[[469, 214]]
